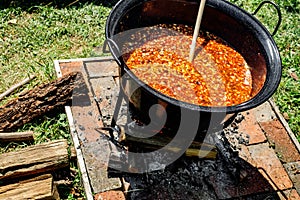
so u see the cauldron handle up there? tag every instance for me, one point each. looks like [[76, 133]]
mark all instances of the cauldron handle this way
[[278, 12], [118, 54]]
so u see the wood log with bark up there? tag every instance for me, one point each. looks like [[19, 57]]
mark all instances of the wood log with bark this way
[[38, 101]]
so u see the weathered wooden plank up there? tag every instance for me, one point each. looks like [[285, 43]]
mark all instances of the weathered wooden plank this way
[[40, 187], [34, 159], [16, 136]]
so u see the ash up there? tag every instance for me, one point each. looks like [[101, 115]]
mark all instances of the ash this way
[[183, 180], [195, 178]]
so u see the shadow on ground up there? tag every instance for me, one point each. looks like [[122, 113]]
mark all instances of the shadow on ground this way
[[28, 5]]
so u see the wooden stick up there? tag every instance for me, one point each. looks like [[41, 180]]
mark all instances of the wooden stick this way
[[196, 149], [196, 30], [16, 136], [16, 86]]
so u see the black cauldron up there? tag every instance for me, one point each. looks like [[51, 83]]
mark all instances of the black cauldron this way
[[233, 24]]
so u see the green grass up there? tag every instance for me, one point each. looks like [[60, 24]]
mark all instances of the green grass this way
[[32, 36], [35, 33], [31, 39]]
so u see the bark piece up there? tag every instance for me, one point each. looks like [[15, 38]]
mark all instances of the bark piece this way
[[37, 102], [40, 187], [35, 159]]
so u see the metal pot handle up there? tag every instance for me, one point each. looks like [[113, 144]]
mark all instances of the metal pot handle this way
[[278, 12], [113, 45]]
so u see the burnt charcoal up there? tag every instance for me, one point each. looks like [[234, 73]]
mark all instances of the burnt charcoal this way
[[226, 176]]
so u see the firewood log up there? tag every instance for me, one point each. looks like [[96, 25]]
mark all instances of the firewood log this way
[[38, 101], [34, 159], [196, 149], [41, 187]]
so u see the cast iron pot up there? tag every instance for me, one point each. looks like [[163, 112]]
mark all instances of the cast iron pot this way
[[233, 24]]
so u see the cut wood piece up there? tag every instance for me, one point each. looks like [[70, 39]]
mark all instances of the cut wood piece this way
[[16, 136], [35, 159], [73, 155], [40, 187], [38, 101], [196, 149]]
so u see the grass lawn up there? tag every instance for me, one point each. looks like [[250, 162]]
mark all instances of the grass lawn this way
[[32, 36], [35, 33]]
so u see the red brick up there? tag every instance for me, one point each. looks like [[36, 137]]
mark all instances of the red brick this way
[[251, 127], [68, 67], [279, 138], [270, 166], [289, 195], [110, 195]]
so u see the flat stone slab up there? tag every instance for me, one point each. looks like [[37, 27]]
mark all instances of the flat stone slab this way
[[293, 169], [272, 154], [264, 113]]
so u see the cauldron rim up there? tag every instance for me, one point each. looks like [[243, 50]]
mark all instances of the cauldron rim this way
[[273, 60]]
